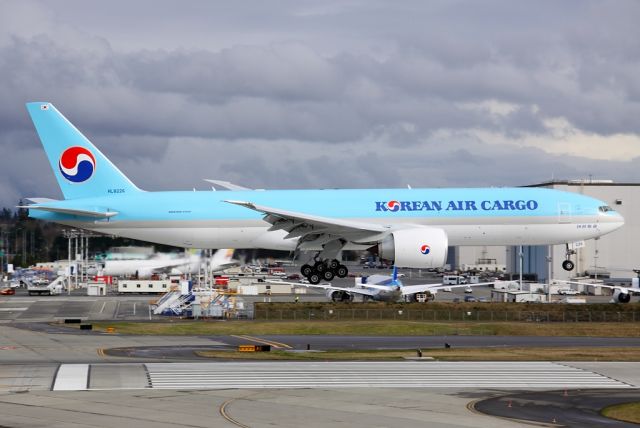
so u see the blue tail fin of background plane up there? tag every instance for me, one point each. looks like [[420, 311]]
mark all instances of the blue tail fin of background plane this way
[[81, 169]]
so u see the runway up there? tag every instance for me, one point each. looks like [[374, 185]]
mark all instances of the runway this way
[[50, 377], [278, 374]]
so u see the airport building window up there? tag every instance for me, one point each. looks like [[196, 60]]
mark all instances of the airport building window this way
[[138, 285], [150, 285], [124, 285]]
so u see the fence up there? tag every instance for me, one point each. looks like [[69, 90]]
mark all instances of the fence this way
[[443, 315]]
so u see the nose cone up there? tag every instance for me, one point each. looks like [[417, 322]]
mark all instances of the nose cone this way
[[619, 220], [611, 221]]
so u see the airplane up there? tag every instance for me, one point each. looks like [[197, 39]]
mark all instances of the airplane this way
[[384, 288], [620, 294], [412, 227], [162, 264]]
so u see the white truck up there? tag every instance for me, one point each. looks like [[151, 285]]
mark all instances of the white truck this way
[[42, 286], [453, 280]]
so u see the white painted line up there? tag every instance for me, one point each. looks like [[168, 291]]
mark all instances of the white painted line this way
[[373, 374], [12, 309], [103, 305], [72, 377]]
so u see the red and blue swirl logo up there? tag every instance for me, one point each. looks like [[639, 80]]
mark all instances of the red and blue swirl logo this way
[[393, 206], [77, 164], [425, 249]]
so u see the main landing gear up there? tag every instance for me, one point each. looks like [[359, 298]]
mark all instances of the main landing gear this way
[[568, 265], [323, 270]]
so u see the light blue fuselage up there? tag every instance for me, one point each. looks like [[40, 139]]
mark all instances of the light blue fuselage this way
[[489, 216]]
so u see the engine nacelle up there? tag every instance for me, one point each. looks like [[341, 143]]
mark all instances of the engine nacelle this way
[[421, 247], [619, 296], [339, 296]]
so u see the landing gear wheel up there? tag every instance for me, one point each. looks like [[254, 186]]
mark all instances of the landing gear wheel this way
[[333, 264], [568, 265], [342, 271], [320, 267], [306, 270], [314, 278], [327, 275]]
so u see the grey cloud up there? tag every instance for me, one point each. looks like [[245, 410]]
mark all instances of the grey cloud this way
[[298, 94]]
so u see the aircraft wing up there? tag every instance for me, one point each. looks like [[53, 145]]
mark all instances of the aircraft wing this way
[[421, 288], [631, 290], [311, 227], [353, 290]]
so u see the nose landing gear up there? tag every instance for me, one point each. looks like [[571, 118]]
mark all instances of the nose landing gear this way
[[568, 265]]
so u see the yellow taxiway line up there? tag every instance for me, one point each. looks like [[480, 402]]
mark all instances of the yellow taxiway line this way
[[263, 341]]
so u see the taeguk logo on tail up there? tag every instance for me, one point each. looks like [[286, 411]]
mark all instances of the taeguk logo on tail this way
[[425, 249], [77, 164]]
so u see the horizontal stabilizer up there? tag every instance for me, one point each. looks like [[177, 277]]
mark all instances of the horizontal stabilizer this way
[[41, 200], [71, 211]]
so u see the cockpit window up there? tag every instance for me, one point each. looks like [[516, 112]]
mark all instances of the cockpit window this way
[[605, 209]]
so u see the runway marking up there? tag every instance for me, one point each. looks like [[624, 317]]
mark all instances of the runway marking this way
[[12, 309], [102, 308], [374, 374], [223, 412], [262, 341], [100, 352], [71, 377]]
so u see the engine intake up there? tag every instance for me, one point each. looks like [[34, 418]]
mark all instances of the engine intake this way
[[621, 297], [422, 247]]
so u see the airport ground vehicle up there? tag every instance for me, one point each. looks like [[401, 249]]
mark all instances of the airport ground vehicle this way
[[568, 291], [453, 280], [412, 227], [41, 286]]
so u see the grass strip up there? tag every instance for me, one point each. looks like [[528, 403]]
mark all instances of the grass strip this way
[[459, 354], [369, 328], [628, 412]]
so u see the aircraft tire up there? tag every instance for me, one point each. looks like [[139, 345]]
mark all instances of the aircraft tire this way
[[328, 275], [342, 271], [333, 264], [314, 278], [306, 270], [568, 265], [320, 267]]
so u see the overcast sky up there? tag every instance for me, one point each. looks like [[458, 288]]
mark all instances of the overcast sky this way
[[295, 94]]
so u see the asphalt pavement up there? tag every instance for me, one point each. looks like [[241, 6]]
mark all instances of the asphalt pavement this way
[[570, 408]]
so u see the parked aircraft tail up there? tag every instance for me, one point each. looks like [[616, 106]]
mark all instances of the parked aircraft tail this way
[[222, 259], [81, 169]]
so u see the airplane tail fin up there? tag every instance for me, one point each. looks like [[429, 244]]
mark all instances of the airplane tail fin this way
[[222, 257], [394, 275], [81, 169]]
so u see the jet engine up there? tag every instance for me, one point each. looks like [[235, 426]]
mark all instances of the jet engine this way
[[144, 273], [420, 247], [621, 296], [339, 296]]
